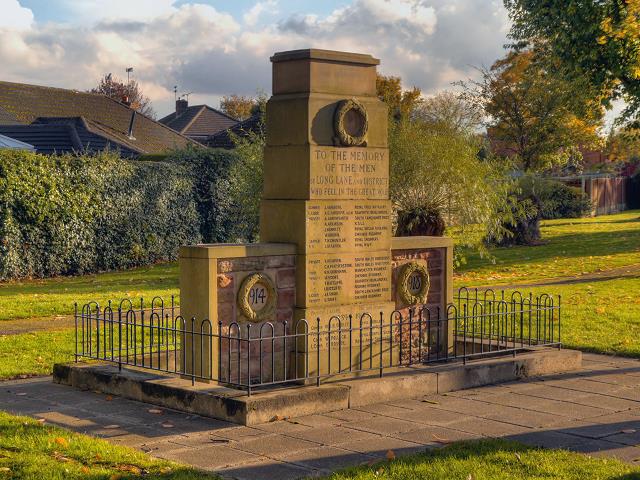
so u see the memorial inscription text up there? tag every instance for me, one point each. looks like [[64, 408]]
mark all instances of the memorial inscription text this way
[[349, 173]]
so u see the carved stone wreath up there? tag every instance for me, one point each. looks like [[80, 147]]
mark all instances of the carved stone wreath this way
[[406, 294], [341, 127], [244, 302]]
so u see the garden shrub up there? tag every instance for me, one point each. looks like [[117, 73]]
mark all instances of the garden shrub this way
[[63, 215], [537, 199], [558, 200]]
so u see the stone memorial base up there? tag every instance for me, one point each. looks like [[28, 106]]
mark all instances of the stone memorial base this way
[[360, 338], [267, 405]]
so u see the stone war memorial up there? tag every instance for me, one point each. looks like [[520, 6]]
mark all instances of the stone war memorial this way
[[330, 310], [329, 266]]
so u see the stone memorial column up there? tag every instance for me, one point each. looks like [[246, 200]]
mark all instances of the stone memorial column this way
[[326, 167]]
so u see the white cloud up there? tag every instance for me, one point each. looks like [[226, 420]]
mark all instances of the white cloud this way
[[402, 11], [251, 17], [429, 43], [14, 16]]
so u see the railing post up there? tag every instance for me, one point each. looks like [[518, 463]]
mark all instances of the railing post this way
[[464, 333], [559, 322], [97, 353], [193, 351], [318, 352], [220, 351], [75, 316], [142, 332], [119, 339], [249, 359], [381, 343]]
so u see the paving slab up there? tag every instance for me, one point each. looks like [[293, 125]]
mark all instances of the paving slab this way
[[379, 446], [435, 436], [334, 435], [212, 457], [273, 443], [318, 421], [487, 427], [326, 458], [545, 405], [524, 418], [382, 425], [547, 439], [268, 469]]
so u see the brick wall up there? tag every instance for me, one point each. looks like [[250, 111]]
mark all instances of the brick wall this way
[[435, 266], [411, 332], [231, 273]]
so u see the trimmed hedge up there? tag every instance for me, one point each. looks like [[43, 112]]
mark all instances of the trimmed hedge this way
[[67, 215]]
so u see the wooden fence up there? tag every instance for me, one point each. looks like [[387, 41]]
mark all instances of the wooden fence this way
[[608, 193]]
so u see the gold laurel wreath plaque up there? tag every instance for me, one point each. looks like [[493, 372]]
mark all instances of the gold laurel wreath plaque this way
[[351, 124], [414, 283], [250, 294]]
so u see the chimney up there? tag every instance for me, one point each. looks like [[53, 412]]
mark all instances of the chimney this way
[[181, 106], [131, 125]]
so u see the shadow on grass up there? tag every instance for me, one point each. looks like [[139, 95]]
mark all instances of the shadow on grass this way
[[600, 221], [494, 459], [573, 245]]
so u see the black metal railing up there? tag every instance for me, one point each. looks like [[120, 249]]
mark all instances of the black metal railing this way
[[247, 356]]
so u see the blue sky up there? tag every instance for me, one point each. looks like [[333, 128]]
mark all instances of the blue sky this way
[[60, 11], [220, 47]]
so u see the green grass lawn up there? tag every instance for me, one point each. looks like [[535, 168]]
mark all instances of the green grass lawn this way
[[494, 460], [30, 450], [56, 296], [35, 353], [572, 247], [601, 317]]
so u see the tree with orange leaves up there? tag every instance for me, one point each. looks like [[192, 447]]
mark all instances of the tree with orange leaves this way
[[401, 102], [129, 93], [590, 41], [533, 116]]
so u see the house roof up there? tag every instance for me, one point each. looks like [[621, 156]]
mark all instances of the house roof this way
[[6, 118], [199, 121], [25, 103], [8, 142], [253, 124], [67, 135]]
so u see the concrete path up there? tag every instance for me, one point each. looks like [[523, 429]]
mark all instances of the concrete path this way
[[37, 324], [595, 411], [627, 271]]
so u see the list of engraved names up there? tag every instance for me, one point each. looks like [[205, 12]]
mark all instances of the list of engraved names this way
[[345, 278], [348, 226]]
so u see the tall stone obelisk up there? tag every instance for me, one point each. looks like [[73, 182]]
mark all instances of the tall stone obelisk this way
[[326, 167]]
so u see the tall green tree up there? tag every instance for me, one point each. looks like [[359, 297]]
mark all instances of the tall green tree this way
[[401, 102], [533, 116], [450, 109], [597, 41]]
